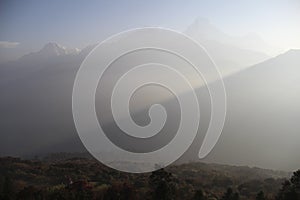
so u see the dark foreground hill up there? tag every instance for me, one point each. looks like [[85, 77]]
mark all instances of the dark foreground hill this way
[[70, 177]]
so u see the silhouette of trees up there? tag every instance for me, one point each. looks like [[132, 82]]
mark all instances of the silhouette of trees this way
[[260, 196], [199, 195], [120, 191], [29, 193], [162, 185], [7, 189], [290, 190], [230, 195], [38, 180]]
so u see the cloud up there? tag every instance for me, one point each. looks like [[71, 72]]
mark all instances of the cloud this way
[[7, 44]]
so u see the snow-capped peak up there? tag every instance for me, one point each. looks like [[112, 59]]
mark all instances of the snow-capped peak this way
[[54, 49]]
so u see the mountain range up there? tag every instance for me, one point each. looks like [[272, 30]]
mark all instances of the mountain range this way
[[261, 129], [230, 53]]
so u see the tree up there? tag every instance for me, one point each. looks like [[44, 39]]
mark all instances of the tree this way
[[162, 184], [7, 190], [295, 180], [236, 196], [290, 190], [31, 192], [199, 195], [230, 195], [260, 196], [120, 191]]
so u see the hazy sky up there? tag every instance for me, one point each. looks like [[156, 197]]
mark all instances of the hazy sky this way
[[28, 25]]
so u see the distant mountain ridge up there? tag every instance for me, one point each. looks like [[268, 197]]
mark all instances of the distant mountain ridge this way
[[36, 113], [203, 30], [231, 54], [262, 114], [51, 49]]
